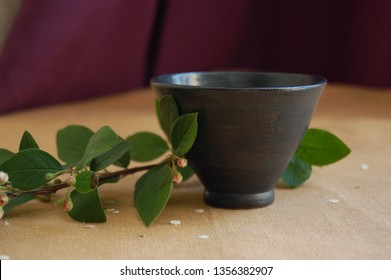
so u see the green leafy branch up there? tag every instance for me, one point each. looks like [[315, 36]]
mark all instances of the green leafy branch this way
[[85, 156], [317, 148]]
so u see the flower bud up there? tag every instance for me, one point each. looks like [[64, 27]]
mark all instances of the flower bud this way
[[3, 177], [49, 176], [181, 162], [67, 204], [71, 181], [177, 177], [3, 199], [1, 212]]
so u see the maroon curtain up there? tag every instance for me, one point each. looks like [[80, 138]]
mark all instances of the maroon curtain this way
[[68, 49]]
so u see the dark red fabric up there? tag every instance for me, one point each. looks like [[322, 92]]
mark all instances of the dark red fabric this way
[[69, 49], [346, 41]]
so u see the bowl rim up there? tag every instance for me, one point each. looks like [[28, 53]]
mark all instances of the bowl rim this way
[[159, 80]]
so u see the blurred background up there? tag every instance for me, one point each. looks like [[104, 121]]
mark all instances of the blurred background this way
[[64, 50]]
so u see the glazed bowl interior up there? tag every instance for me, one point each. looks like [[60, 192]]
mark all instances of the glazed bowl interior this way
[[238, 80]]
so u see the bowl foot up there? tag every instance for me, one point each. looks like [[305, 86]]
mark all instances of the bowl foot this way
[[239, 201]]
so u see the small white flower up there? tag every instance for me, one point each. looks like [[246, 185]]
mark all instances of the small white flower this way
[[3, 177]]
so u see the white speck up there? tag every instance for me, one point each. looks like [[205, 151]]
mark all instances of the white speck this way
[[175, 222], [203, 237], [200, 210], [364, 166], [115, 212], [110, 202], [110, 210], [4, 257], [334, 200], [6, 223], [89, 226]]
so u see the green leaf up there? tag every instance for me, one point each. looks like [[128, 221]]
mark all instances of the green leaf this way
[[146, 146], [101, 142], [123, 161], [142, 181], [13, 202], [153, 193], [319, 147], [110, 157], [86, 181], [4, 155], [158, 113], [297, 172], [167, 112], [87, 207], [186, 172], [27, 142], [184, 133], [111, 180], [27, 168], [72, 142]]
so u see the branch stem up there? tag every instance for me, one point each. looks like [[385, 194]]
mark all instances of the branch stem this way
[[47, 190]]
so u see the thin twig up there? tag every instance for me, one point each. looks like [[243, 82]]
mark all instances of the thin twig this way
[[47, 190]]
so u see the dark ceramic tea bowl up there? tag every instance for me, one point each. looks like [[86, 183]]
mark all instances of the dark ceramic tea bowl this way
[[250, 124]]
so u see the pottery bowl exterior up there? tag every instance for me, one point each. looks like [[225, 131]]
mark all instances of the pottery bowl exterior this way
[[250, 124]]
